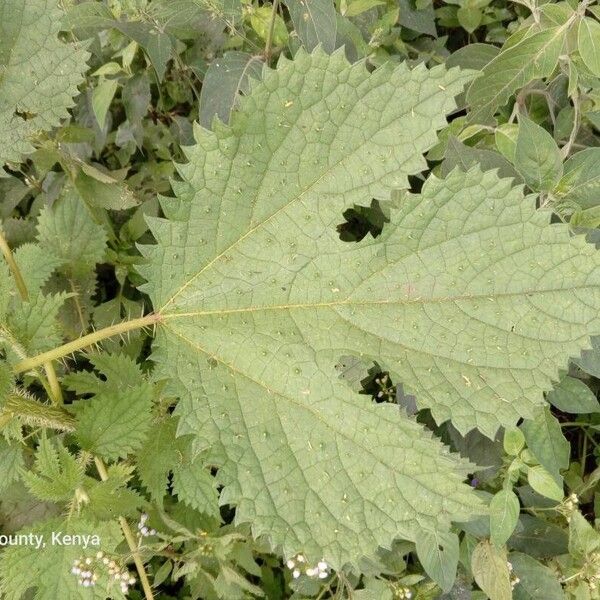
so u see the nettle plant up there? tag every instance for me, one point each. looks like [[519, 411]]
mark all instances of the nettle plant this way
[[470, 297]]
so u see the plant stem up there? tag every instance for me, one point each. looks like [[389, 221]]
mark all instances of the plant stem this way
[[576, 123], [14, 268], [55, 389], [139, 565], [55, 392], [85, 341], [269, 40]]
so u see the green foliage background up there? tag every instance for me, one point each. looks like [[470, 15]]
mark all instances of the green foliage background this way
[[107, 105]]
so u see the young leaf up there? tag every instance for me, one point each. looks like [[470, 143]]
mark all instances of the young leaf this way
[[588, 44], [225, 78], [34, 323], [67, 230], [56, 474], [102, 96], [117, 420], [112, 498], [573, 396], [544, 483], [533, 57], [506, 140], [438, 554], [156, 457], [40, 74], [504, 515], [514, 441], [195, 486], [463, 156], [314, 22], [421, 19], [11, 462], [537, 157], [490, 570], [546, 441], [36, 264], [156, 43], [582, 178]]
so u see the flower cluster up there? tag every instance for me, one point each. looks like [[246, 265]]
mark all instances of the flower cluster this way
[[88, 571], [514, 580], [299, 566], [143, 528], [83, 569], [402, 593], [571, 504]]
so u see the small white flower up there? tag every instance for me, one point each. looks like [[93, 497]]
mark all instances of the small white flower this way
[[300, 558], [312, 572], [323, 575], [290, 564], [295, 573], [322, 565]]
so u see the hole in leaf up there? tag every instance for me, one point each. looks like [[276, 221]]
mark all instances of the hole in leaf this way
[[377, 383], [361, 220], [26, 116]]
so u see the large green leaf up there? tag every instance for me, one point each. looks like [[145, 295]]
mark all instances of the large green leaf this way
[[469, 297], [39, 74]]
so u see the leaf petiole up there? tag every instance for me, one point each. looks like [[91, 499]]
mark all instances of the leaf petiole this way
[[85, 341]]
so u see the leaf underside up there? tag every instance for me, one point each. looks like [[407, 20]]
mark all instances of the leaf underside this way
[[260, 298]]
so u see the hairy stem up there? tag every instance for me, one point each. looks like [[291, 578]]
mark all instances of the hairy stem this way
[[55, 392], [269, 40], [139, 565], [14, 268], [85, 341]]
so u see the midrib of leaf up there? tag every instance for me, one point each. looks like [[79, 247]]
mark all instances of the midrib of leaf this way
[[294, 401], [284, 207], [394, 302]]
